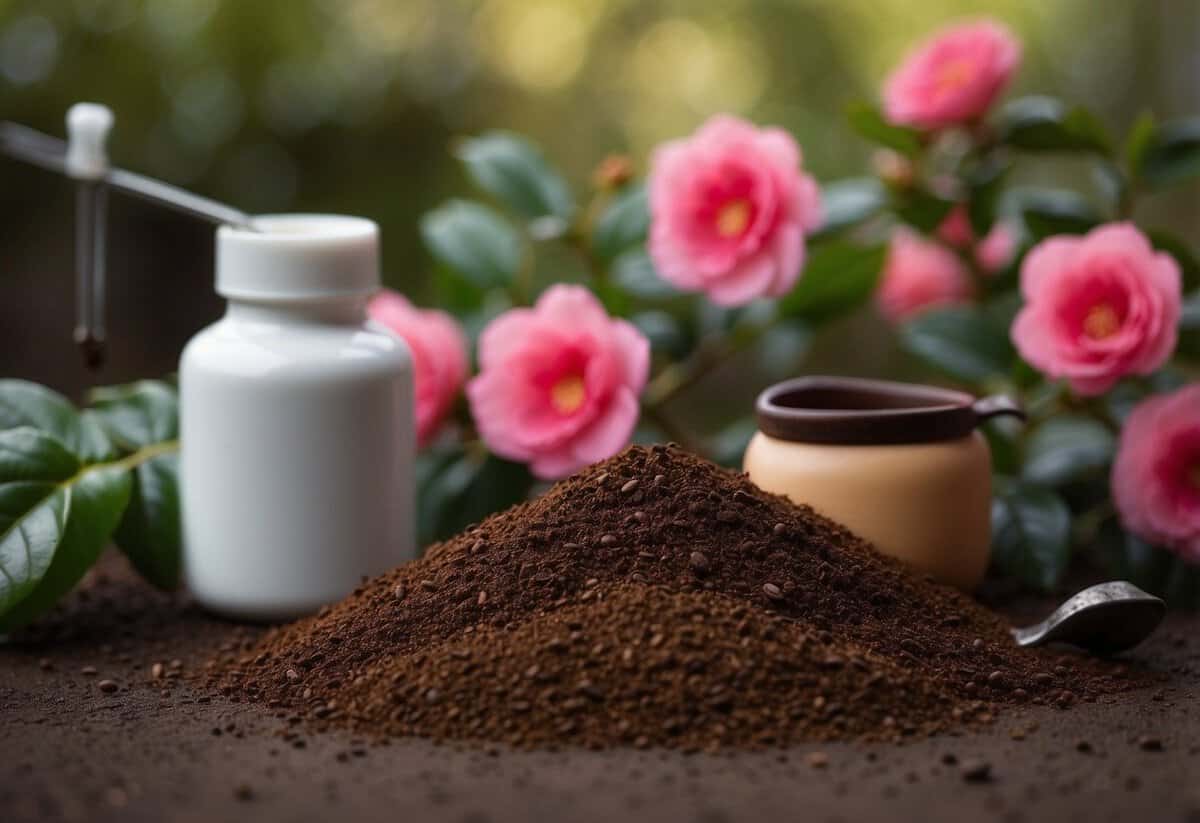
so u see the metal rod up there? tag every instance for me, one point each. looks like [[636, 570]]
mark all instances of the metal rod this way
[[179, 199], [49, 152]]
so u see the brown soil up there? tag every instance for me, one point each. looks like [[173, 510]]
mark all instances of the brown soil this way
[[603, 612], [158, 749]]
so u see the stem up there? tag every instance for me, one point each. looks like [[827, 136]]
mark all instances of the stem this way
[[682, 375], [131, 461]]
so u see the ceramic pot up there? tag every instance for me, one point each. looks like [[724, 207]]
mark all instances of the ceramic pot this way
[[901, 465]]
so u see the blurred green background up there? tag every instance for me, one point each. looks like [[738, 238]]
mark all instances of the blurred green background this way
[[353, 105]]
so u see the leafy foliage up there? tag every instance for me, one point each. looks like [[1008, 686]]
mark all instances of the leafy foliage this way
[[67, 480]]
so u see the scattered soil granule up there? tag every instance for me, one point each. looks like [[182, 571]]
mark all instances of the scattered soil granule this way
[[655, 599]]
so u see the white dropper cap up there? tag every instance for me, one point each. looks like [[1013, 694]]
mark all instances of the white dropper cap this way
[[88, 126], [299, 257]]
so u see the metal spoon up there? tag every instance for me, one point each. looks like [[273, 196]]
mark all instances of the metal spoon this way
[[1104, 619]]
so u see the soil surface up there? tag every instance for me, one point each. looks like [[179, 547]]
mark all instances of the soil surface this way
[[100, 719]]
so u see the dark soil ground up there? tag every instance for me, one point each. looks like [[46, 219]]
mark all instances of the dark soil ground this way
[[92, 729]]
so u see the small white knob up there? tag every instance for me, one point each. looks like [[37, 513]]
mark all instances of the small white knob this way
[[88, 125]]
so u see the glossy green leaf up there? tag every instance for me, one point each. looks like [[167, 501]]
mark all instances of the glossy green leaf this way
[[921, 209], [513, 170], [465, 488], [847, 203], [55, 518], [633, 272], [985, 181], [1046, 124], [1067, 448], [1031, 529], [1170, 154], [623, 224], [838, 278], [473, 241], [868, 121], [1047, 212], [728, 446], [663, 331], [1138, 141], [783, 347], [27, 404], [962, 341], [1189, 318], [150, 532], [139, 414]]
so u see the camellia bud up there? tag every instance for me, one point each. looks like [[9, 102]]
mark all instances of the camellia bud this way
[[893, 168], [613, 172]]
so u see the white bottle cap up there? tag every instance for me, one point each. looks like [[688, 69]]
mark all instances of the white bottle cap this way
[[296, 257], [88, 125]]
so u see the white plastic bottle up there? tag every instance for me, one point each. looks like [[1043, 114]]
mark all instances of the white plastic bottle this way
[[296, 419]]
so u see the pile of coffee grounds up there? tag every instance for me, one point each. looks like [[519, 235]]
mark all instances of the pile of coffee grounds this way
[[654, 599]]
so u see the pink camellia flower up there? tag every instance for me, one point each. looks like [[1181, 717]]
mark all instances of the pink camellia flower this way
[[559, 383], [996, 249], [953, 77], [730, 207], [1156, 476], [439, 352], [1098, 307], [920, 274]]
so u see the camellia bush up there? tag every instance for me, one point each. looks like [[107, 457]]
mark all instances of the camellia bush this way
[[572, 321]]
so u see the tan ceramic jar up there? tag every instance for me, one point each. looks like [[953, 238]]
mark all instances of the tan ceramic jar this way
[[901, 465]]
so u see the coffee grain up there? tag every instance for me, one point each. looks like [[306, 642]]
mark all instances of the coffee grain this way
[[720, 616]]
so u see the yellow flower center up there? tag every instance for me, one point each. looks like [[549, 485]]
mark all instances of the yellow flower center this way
[[567, 394], [733, 218], [1101, 321], [954, 75]]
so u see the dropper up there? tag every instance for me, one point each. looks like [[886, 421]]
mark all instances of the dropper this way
[[84, 158]]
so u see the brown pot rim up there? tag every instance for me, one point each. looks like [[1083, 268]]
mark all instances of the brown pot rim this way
[[857, 411]]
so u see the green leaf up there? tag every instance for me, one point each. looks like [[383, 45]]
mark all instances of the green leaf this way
[[663, 331], [961, 341], [473, 241], [1170, 154], [55, 518], [150, 533], [27, 404], [921, 209], [985, 180], [847, 203], [138, 414], [1138, 141], [623, 224], [782, 348], [728, 446], [633, 272], [466, 488], [1189, 318], [1048, 212], [838, 278], [1031, 529], [1046, 124], [513, 170], [1067, 448], [868, 121]]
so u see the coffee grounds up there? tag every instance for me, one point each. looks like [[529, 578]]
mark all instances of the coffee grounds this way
[[565, 584]]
